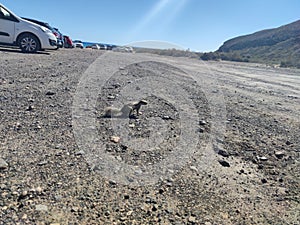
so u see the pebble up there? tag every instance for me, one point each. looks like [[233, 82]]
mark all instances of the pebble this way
[[223, 153], [192, 219], [41, 208], [3, 164], [201, 130], [279, 154], [115, 139], [30, 108], [202, 122], [264, 180], [42, 163], [80, 152], [132, 125], [224, 163], [263, 158], [111, 97], [49, 93]]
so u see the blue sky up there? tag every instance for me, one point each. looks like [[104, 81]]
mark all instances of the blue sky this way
[[201, 25]]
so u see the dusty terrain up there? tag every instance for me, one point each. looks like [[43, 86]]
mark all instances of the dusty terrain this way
[[228, 132]]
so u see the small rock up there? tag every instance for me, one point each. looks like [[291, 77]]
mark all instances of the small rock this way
[[202, 122], [30, 108], [80, 152], [115, 139], [3, 164], [224, 163], [24, 217], [112, 182], [192, 219], [223, 153], [279, 154], [41, 208], [50, 93], [42, 163], [263, 158], [132, 125], [54, 223], [201, 130], [111, 97], [288, 143], [264, 180]]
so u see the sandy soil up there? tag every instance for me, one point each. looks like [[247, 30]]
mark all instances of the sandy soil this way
[[217, 143]]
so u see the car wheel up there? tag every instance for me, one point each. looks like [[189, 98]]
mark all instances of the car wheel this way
[[29, 43]]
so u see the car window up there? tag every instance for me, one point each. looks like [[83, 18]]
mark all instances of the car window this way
[[4, 13]]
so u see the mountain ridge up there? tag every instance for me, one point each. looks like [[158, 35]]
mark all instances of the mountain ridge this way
[[279, 45]]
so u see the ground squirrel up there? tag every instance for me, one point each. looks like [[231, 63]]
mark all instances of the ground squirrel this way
[[126, 111]]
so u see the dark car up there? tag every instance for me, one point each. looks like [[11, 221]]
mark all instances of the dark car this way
[[68, 43], [59, 36], [55, 31]]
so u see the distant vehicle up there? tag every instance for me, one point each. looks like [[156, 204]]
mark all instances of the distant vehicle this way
[[55, 31], [68, 43], [103, 47], [30, 37], [78, 44], [110, 47], [123, 49], [95, 46], [60, 37]]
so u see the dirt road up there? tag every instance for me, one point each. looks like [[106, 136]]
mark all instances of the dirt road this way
[[217, 143]]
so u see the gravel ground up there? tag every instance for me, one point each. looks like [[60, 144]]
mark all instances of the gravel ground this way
[[217, 143]]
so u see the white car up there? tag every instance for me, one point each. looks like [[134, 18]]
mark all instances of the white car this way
[[95, 46], [30, 37], [78, 44]]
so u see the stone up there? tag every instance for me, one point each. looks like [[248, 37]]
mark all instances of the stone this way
[[224, 163], [132, 125], [202, 122], [223, 153], [41, 207], [192, 219], [279, 154], [50, 93], [80, 152], [3, 164], [264, 180], [115, 139], [263, 158], [42, 163], [111, 97]]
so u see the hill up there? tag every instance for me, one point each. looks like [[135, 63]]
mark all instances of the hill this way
[[276, 46]]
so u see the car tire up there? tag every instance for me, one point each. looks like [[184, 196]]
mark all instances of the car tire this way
[[29, 43]]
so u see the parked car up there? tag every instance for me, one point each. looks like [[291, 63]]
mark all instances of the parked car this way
[[30, 37], [95, 46], [60, 37], [78, 44], [68, 43], [55, 31], [103, 47], [123, 49]]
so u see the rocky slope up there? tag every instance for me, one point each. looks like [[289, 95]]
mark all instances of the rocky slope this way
[[276, 45]]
